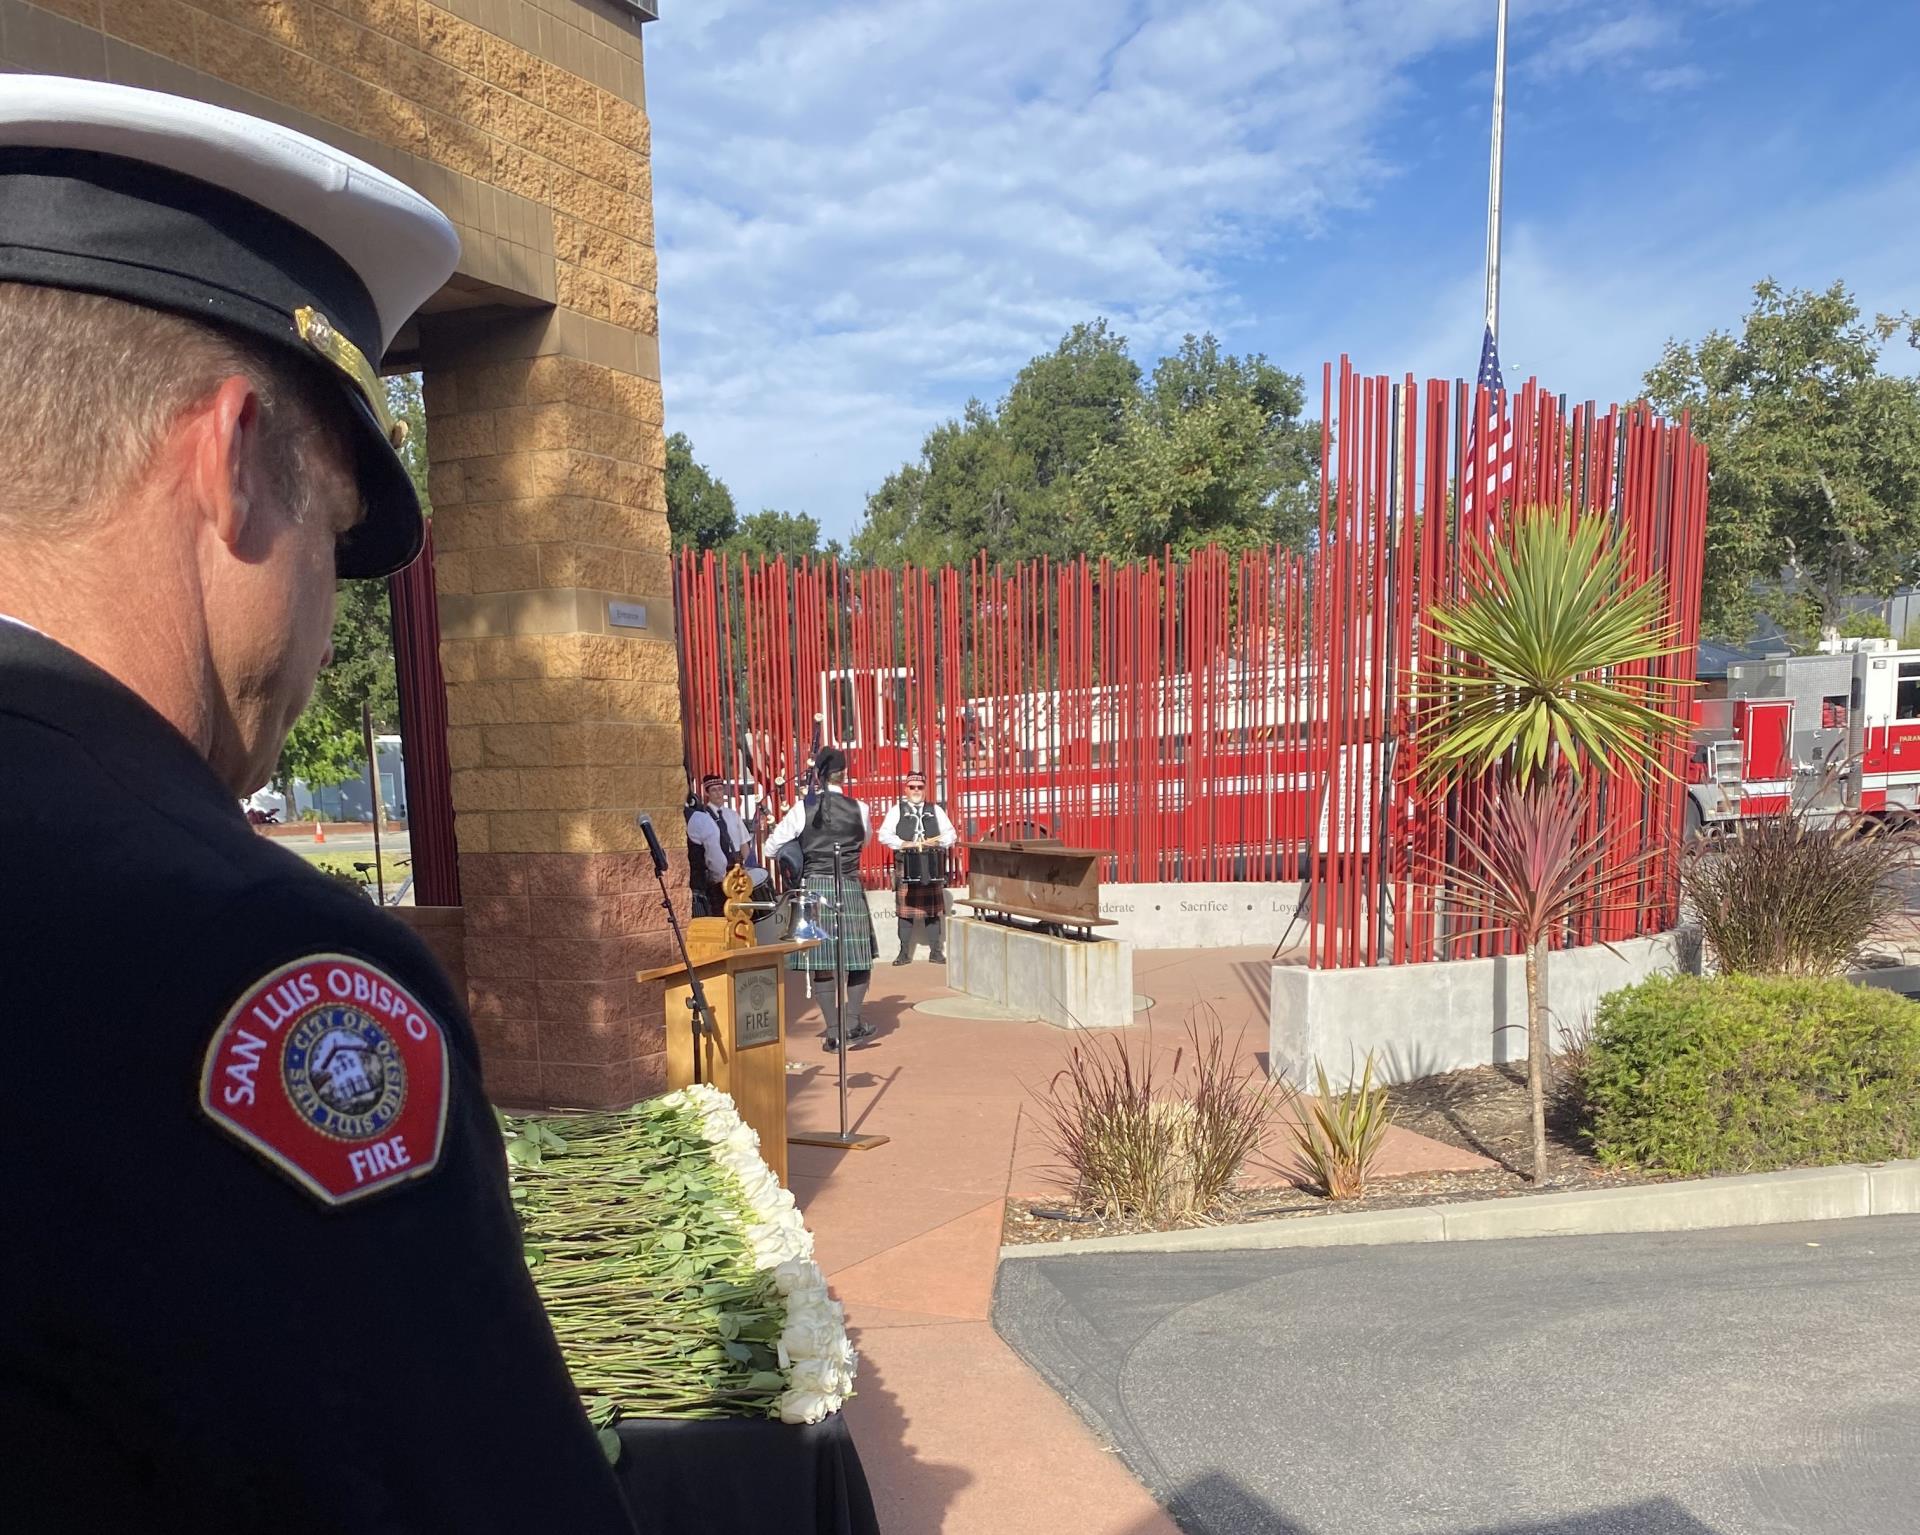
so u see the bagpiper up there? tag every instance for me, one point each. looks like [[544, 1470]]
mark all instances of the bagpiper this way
[[918, 834], [830, 828]]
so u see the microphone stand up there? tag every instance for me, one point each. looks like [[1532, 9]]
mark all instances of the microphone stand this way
[[705, 1029], [840, 988]]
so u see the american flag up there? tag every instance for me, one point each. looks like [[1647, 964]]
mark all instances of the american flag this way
[[1480, 479]]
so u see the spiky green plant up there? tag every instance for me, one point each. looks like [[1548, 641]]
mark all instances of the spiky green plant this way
[[1527, 693], [1529, 669], [1339, 1134]]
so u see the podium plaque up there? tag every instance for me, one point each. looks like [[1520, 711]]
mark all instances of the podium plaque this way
[[747, 1057]]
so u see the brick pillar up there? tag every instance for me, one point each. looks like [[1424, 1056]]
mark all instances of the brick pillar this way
[[563, 711]]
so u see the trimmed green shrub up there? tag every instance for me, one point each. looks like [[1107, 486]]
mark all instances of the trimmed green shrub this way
[[1742, 1073]]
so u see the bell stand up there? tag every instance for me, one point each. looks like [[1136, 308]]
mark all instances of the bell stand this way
[[846, 1140]]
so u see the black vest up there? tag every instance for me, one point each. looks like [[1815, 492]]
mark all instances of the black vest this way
[[833, 822], [916, 823]]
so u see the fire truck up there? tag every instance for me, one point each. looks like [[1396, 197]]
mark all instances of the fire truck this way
[[1020, 764], [1834, 734]]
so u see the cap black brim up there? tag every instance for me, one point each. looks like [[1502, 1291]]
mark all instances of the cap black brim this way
[[390, 536], [147, 235]]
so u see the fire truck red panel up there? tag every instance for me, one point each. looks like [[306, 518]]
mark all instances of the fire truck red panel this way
[[1894, 748], [1768, 739]]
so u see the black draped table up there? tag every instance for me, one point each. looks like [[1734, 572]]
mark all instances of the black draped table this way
[[744, 1476]]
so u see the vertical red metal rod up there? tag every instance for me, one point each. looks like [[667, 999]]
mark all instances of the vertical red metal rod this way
[[1316, 668]]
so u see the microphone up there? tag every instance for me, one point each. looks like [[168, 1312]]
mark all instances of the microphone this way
[[645, 823]]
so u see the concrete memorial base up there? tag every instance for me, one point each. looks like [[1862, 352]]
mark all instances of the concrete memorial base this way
[[1419, 1020], [1156, 916], [1071, 983]]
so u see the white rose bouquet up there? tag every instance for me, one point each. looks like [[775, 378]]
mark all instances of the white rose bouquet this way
[[677, 1273]]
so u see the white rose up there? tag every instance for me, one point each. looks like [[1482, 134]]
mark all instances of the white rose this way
[[741, 1163], [674, 1100], [759, 1187], [726, 1162], [797, 1274], [803, 1406], [820, 1375], [810, 1337], [773, 1245], [745, 1138]]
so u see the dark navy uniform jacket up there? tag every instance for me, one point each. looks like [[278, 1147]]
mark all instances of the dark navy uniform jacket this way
[[189, 1338]]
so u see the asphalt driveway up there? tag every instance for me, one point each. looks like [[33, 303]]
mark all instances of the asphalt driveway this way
[[1752, 1382]]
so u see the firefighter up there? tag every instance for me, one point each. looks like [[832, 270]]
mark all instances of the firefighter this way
[[919, 835], [262, 1269], [830, 828]]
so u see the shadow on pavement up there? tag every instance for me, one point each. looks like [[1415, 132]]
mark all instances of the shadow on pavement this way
[[911, 1495], [1218, 1505]]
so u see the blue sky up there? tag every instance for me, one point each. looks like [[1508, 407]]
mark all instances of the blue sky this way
[[870, 210]]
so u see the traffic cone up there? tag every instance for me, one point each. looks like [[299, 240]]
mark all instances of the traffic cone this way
[[319, 832]]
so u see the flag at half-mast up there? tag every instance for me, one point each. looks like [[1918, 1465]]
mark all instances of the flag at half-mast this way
[[1488, 472]]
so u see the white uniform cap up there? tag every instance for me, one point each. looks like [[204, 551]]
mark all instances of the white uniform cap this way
[[178, 205]]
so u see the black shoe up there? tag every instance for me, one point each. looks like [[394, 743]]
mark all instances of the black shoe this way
[[832, 1043], [936, 959], [904, 959], [859, 1032]]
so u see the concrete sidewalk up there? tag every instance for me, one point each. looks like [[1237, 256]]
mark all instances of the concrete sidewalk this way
[[957, 1434]]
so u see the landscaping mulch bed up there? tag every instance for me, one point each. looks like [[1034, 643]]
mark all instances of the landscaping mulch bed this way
[[1483, 1110]]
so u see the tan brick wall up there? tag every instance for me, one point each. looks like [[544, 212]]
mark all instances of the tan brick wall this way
[[423, 80], [547, 474]]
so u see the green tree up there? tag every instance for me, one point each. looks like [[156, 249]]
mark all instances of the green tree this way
[[772, 534], [1066, 405], [700, 510], [1529, 698], [1213, 450], [1001, 478], [1815, 454], [1863, 626]]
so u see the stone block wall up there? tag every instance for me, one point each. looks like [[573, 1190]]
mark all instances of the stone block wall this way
[[525, 120]]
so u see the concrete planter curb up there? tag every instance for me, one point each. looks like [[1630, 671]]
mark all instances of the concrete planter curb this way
[[1757, 1199]]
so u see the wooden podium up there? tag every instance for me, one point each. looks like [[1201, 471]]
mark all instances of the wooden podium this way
[[748, 1059]]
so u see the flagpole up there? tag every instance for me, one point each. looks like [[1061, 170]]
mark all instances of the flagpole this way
[[1493, 175]]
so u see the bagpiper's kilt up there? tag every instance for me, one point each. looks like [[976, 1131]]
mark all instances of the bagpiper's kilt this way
[[848, 923]]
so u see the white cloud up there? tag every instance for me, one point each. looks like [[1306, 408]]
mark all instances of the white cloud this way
[[868, 211], [1604, 43], [1588, 311]]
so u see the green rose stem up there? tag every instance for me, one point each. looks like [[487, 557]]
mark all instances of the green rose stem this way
[[637, 1244]]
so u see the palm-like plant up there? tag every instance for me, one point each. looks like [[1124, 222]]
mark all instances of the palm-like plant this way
[[1527, 697], [1537, 641]]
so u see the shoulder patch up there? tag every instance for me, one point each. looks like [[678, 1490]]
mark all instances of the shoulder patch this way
[[334, 1072]]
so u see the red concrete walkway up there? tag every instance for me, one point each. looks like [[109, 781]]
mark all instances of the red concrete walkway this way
[[957, 1434]]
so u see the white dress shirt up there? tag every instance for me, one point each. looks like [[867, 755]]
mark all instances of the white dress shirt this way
[[705, 833], [890, 822], [795, 820]]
